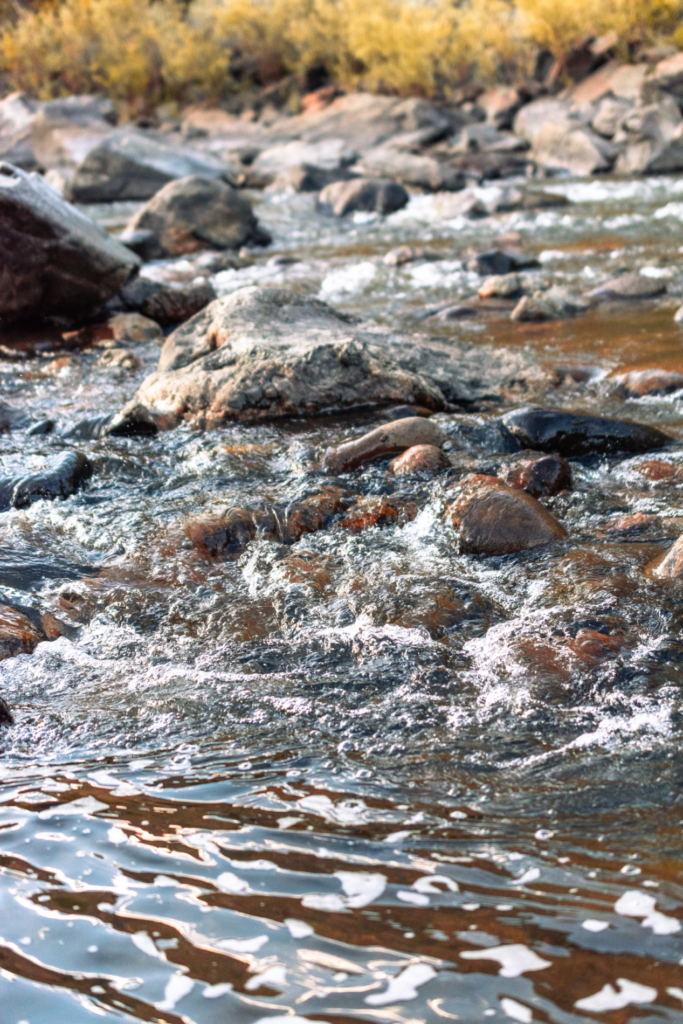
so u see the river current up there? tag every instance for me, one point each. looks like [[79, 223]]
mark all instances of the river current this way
[[361, 778]]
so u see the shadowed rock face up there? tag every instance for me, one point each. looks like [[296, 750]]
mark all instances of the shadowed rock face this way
[[575, 436], [53, 259], [494, 519], [264, 352]]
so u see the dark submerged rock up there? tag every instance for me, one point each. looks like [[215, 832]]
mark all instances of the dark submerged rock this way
[[575, 436], [62, 476], [494, 519], [53, 259], [538, 475], [6, 716]]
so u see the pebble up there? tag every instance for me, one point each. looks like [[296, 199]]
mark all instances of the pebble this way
[[421, 458], [575, 436], [495, 519], [382, 442], [537, 474]]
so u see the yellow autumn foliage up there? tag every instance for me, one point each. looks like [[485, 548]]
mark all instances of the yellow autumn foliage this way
[[141, 52]]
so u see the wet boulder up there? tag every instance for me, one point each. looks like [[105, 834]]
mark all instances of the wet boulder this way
[[421, 459], [61, 476], [382, 442], [131, 165], [19, 633], [313, 513], [501, 286], [133, 327], [408, 168], [670, 565], [6, 716], [377, 511], [537, 474], [328, 159], [637, 383], [496, 262], [494, 519], [196, 213], [222, 537], [575, 436], [52, 258], [261, 353], [168, 302], [366, 195], [629, 286]]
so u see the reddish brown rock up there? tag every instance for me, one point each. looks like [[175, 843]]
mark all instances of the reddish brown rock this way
[[224, 537], [18, 634], [311, 514], [637, 383], [537, 474], [382, 511], [629, 525], [495, 519], [390, 439], [655, 469], [421, 458], [669, 565]]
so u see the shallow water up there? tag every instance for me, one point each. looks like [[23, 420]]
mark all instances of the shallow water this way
[[361, 777]]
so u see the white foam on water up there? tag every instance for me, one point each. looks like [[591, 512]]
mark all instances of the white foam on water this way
[[431, 883], [230, 883], [323, 901], [677, 993], [298, 929], [214, 991], [404, 986], [593, 925], [348, 280], [670, 210], [84, 805], [275, 977], [516, 1010], [361, 887], [176, 989], [243, 945], [416, 898], [609, 998], [531, 875], [635, 903], [143, 942], [117, 836], [515, 959]]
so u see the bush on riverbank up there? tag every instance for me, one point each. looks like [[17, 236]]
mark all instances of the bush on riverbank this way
[[142, 52]]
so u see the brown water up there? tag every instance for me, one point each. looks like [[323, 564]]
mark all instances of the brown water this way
[[362, 777]]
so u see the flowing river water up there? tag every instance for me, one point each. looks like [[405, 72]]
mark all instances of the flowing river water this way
[[362, 777]]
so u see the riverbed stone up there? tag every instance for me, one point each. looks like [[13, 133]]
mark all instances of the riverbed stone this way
[[53, 259], [380, 443], [17, 113], [19, 634], [637, 383], [538, 474], [131, 165], [425, 459], [365, 195], [6, 716], [629, 286], [61, 476], [670, 565], [196, 213], [167, 303], [575, 436], [261, 353], [417, 170], [501, 286], [132, 327], [223, 537], [381, 510], [495, 519]]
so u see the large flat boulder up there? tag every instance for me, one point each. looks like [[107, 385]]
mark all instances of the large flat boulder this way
[[261, 353], [129, 164], [53, 259], [410, 169]]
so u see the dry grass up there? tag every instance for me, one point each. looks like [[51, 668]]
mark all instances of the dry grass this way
[[142, 52]]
